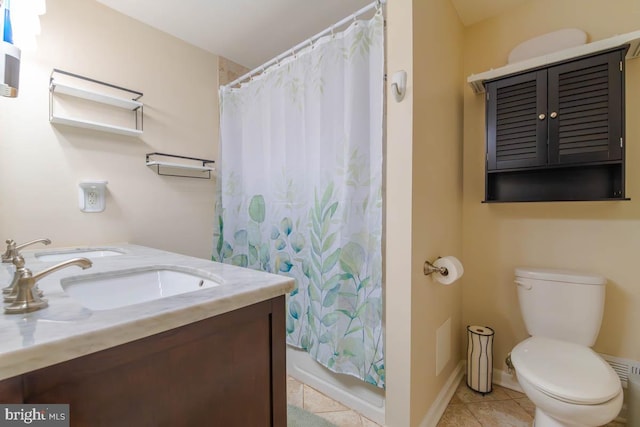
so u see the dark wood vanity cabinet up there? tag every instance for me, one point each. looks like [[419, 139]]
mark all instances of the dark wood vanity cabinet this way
[[557, 133], [228, 370]]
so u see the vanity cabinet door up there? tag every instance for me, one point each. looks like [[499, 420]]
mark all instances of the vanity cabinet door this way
[[228, 370], [585, 110], [11, 390], [516, 121]]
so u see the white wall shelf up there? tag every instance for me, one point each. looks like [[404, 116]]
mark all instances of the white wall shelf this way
[[195, 166], [476, 81], [95, 96], [87, 124], [98, 92]]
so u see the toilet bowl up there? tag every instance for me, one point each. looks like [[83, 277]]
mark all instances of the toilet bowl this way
[[569, 383]]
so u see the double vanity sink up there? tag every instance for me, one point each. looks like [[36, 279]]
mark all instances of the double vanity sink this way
[[178, 318]]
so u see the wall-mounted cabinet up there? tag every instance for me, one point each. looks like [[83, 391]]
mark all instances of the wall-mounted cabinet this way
[[557, 132], [102, 112]]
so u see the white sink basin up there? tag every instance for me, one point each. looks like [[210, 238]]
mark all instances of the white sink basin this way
[[75, 253], [105, 291]]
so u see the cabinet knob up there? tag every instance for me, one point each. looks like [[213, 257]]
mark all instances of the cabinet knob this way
[[542, 116], [553, 115]]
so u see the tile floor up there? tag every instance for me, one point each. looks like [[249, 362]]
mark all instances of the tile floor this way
[[502, 407], [303, 396]]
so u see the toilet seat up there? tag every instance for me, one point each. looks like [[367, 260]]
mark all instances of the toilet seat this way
[[566, 371]]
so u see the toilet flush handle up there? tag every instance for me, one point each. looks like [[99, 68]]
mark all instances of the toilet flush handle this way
[[523, 285]]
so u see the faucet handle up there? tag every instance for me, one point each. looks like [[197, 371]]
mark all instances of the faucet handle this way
[[24, 245], [11, 292], [24, 296], [7, 256], [18, 261], [28, 298], [12, 248], [12, 289]]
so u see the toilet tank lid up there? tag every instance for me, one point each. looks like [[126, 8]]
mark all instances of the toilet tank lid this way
[[554, 275]]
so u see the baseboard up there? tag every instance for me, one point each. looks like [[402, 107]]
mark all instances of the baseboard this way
[[500, 377], [442, 400], [505, 379]]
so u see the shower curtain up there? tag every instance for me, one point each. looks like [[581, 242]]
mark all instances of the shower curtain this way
[[300, 192]]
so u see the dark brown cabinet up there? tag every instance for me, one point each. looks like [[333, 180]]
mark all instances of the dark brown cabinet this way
[[228, 370], [557, 133], [516, 136]]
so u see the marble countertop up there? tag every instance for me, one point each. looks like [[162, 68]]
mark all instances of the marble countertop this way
[[66, 329]]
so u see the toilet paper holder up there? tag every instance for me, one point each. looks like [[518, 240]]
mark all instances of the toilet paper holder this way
[[429, 268]]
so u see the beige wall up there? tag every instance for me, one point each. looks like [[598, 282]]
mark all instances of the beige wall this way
[[602, 237], [424, 201], [398, 218], [40, 165], [437, 191], [229, 71]]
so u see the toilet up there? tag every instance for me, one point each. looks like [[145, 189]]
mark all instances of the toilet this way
[[569, 383]]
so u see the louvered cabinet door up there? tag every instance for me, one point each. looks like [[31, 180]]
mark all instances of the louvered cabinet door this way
[[585, 110], [516, 121]]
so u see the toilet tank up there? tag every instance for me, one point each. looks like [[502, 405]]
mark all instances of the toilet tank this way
[[561, 304]]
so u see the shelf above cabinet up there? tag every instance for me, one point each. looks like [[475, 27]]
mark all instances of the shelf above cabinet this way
[[593, 182], [476, 81], [195, 166], [611, 199], [98, 93]]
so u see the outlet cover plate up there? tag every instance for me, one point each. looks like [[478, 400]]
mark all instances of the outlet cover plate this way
[[91, 197]]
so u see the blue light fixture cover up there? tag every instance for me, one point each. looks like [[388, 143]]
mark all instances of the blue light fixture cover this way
[[8, 30]]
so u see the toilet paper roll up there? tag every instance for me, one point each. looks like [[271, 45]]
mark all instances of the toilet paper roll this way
[[454, 270]]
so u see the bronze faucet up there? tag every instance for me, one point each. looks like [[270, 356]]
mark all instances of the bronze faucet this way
[[13, 248], [27, 298]]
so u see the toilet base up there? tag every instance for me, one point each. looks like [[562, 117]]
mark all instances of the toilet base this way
[[567, 414], [544, 420]]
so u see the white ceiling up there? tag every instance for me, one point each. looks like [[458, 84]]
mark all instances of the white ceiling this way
[[250, 32]]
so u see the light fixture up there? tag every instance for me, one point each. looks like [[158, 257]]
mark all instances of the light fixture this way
[[9, 55]]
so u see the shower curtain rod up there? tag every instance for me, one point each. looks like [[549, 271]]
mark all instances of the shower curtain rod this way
[[307, 42]]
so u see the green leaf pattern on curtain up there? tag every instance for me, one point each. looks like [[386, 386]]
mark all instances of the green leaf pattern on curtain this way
[[304, 199]]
